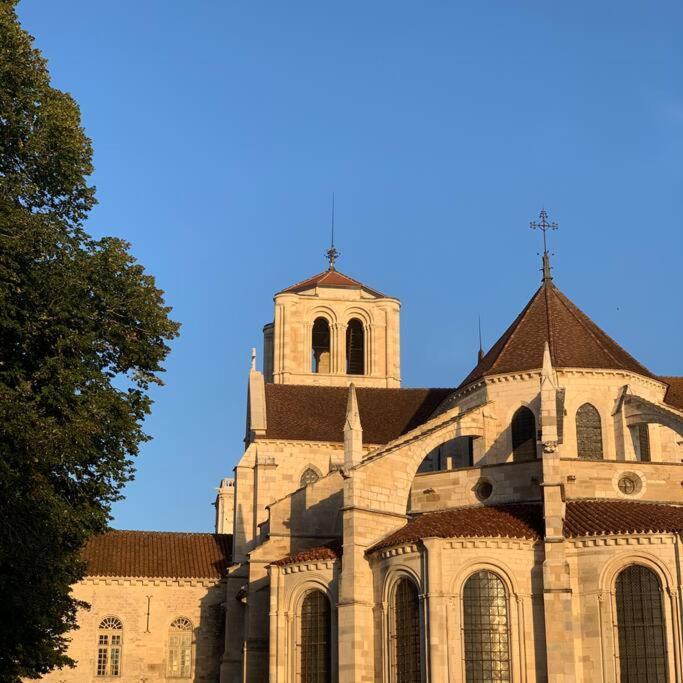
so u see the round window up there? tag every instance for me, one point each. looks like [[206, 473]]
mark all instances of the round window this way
[[629, 484], [483, 489]]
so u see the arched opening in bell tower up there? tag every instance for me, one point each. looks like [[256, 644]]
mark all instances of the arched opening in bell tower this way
[[321, 346], [355, 347]]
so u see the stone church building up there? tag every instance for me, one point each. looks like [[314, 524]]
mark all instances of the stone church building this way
[[523, 526]]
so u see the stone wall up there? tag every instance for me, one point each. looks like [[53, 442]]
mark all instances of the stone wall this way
[[145, 645]]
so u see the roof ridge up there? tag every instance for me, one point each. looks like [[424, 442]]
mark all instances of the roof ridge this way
[[578, 315], [548, 326], [517, 323], [307, 279], [325, 275]]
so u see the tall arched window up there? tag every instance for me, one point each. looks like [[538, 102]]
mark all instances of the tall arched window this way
[[486, 629], [321, 346], [316, 638], [309, 476], [180, 648], [588, 433], [523, 435], [643, 450], [109, 646], [407, 654], [355, 347], [640, 624]]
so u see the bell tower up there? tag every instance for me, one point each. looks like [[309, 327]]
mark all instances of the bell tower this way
[[332, 330]]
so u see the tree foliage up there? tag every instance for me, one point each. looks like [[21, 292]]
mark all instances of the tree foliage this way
[[83, 334]]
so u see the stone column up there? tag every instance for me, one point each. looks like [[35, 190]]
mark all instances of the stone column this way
[[557, 592], [355, 608], [338, 349], [436, 614]]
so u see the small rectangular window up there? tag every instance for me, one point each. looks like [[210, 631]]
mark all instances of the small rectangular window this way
[[643, 443]]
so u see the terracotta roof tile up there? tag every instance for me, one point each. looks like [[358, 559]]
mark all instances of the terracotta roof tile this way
[[329, 278], [597, 517], [522, 520], [311, 413], [525, 520], [575, 340], [329, 551], [158, 554], [674, 394]]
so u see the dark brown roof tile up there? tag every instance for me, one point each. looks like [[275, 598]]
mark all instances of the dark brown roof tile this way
[[598, 517], [158, 554], [525, 520], [329, 551], [329, 278], [575, 341], [674, 394], [311, 413]]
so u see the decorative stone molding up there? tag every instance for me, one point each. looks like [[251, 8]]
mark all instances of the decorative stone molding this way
[[147, 581], [493, 543], [308, 566], [399, 550], [621, 540]]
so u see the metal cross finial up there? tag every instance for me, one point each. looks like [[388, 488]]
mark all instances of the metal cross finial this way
[[544, 225], [332, 253]]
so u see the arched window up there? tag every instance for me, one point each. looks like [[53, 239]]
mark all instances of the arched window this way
[[407, 654], [523, 435], [316, 638], [486, 629], [355, 347], [308, 477], [321, 346], [643, 450], [180, 648], [109, 645], [640, 624], [588, 433]]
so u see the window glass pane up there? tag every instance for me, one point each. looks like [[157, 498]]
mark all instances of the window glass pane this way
[[640, 624], [588, 433], [102, 661], [486, 631], [309, 477], [315, 638], [523, 435], [407, 633]]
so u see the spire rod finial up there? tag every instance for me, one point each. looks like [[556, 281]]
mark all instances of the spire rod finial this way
[[332, 253], [543, 224]]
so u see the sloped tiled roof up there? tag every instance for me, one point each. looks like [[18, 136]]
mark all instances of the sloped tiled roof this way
[[522, 520], [575, 341], [674, 394], [597, 517], [312, 413], [525, 520], [158, 554], [329, 551], [329, 278]]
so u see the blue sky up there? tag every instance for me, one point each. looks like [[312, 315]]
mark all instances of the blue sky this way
[[221, 129]]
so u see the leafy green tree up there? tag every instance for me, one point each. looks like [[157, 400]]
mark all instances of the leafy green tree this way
[[83, 334]]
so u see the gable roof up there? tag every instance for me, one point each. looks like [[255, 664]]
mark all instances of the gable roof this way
[[313, 413], [158, 554], [674, 392], [329, 278], [525, 520], [575, 341]]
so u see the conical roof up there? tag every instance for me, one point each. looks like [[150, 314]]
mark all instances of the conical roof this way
[[575, 341], [329, 278]]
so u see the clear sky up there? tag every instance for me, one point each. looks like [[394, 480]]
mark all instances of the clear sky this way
[[221, 129]]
